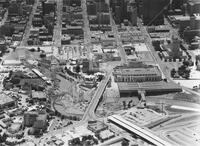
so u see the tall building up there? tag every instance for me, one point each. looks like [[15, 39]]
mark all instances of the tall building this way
[[30, 2], [132, 12], [91, 8], [48, 6], [153, 11], [124, 9], [14, 8], [193, 7]]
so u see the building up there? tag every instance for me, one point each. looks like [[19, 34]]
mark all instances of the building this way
[[124, 9], [4, 3], [38, 96], [193, 30], [127, 89], [7, 102], [37, 22], [91, 8], [73, 30], [132, 12], [193, 7], [30, 118], [65, 40], [153, 11], [48, 7], [14, 9], [35, 120], [173, 51], [137, 74], [96, 126], [30, 2]]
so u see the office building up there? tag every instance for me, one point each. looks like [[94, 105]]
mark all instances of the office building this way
[[48, 6], [153, 11], [193, 7]]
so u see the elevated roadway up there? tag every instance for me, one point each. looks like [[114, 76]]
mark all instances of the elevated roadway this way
[[134, 129], [90, 111]]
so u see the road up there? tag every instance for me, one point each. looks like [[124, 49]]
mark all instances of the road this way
[[57, 34], [28, 25], [182, 130], [87, 33], [90, 111], [118, 40]]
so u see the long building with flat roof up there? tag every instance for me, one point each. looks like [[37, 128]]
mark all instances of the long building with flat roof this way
[[139, 74], [150, 88]]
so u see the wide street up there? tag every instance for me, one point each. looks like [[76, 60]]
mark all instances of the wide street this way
[[58, 27], [118, 40], [28, 25]]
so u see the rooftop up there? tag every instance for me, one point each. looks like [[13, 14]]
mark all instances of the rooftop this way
[[138, 71], [5, 99], [161, 85]]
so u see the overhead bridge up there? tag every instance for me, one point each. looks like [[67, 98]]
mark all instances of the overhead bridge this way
[[147, 135]]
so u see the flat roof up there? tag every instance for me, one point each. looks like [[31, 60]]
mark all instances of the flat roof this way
[[5, 99], [159, 85], [138, 71]]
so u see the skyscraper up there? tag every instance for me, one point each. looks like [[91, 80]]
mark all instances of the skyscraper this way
[[153, 11]]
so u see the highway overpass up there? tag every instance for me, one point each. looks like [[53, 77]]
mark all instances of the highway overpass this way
[[134, 129]]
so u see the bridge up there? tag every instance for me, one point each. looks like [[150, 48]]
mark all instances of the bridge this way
[[134, 129], [90, 112]]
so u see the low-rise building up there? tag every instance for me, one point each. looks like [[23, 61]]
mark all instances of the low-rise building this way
[[150, 88], [7, 101], [136, 74]]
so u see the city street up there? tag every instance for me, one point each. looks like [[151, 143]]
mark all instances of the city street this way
[[29, 25], [57, 36], [118, 40]]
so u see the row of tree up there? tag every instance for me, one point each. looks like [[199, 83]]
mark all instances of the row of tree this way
[[183, 70]]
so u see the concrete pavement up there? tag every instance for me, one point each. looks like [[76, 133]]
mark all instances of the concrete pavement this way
[[28, 25], [57, 34]]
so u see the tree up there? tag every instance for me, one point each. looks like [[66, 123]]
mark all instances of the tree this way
[[173, 72], [124, 104], [38, 49], [125, 143], [77, 69], [42, 55], [186, 63], [187, 74]]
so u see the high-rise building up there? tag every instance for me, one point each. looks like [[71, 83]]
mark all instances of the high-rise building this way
[[124, 9], [153, 11], [30, 2], [91, 8], [132, 12], [193, 7], [14, 8], [48, 6]]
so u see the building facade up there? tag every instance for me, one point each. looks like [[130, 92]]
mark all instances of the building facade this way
[[126, 74]]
